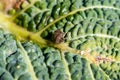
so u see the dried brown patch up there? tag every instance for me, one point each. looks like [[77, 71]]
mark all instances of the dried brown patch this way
[[10, 4]]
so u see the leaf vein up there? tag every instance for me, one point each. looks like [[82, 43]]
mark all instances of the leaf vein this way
[[28, 62]]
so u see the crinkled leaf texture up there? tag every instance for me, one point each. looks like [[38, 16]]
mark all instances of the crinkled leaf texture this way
[[91, 50]]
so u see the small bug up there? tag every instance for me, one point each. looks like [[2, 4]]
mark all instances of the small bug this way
[[58, 36]]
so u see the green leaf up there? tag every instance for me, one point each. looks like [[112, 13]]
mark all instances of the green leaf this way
[[90, 51]]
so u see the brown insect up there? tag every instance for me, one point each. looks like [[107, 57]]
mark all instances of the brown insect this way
[[58, 36]]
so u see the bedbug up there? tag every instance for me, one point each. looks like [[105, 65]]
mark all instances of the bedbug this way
[[58, 37]]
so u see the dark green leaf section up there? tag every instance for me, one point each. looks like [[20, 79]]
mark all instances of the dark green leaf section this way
[[55, 64], [37, 59], [46, 11], [12, 65], [78, 67], [47, 63]]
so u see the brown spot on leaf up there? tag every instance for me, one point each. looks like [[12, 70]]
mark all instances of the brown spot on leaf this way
[[105, 59]]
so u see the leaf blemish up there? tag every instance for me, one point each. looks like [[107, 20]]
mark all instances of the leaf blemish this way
[[105, 59]]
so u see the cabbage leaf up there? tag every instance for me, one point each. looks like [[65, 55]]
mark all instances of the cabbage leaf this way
[[90, 51]]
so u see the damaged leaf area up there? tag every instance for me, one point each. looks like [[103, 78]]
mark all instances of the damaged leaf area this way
[[11, 4], [60, 40]]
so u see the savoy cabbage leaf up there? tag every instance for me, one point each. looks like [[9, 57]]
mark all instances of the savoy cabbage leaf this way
[[90, 50]]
